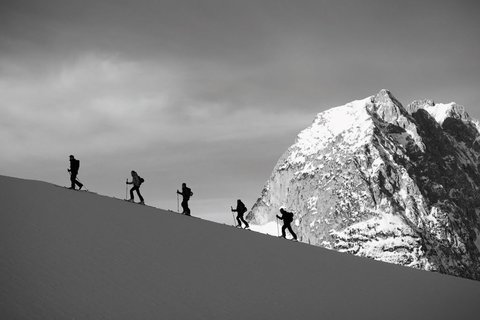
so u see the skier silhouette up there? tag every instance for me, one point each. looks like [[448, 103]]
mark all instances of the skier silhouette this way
[[186, 194], [287, 218], [74, 167], [136, 181], [240, 210]]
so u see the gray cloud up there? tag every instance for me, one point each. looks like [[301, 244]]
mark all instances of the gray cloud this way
[[211, 91]]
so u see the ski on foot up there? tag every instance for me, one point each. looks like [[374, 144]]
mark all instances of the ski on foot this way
[[84, 190]]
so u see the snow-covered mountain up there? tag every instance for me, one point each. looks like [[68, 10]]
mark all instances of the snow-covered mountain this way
[[383, 181], [77, 255]]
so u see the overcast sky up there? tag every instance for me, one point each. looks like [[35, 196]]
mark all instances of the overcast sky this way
[[210, 93]]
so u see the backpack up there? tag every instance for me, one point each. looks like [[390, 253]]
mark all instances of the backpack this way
[[287, 216], [75, 165], [241, 208], [141, 179], [187, 193]]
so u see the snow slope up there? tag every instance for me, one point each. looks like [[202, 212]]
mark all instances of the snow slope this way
[[77, 255]]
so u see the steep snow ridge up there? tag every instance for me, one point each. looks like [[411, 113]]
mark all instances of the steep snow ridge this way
[[350, 120], [372, 157]]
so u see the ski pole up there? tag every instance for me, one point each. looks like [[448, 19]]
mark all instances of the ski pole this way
[[233, 216], [76, 178], [278, 230], [178, 205], [126, 189]]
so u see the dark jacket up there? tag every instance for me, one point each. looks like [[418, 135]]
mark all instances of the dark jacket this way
[[241, 209], [287, 217], [186, 193], [74, 166]]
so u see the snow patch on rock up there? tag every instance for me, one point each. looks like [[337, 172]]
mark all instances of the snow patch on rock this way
[[351, 120]]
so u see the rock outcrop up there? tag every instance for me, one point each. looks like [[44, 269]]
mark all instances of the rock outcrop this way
[[382, 181]]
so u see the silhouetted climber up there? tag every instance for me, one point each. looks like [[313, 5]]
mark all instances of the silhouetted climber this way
[[240, 210], [287, 218], [74, 167], [186, 194], [136, 181]]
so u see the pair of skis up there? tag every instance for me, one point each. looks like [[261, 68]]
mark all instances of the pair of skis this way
[[291, 239], [240, 227], [141, 203], [81, 190]]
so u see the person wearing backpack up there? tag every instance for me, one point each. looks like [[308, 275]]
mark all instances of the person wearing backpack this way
[[186, 194], [287, 218], [136, 181], [240, 210], [74, 167]]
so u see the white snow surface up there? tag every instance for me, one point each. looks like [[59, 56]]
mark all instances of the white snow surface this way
[[351, 120], [441, 111], [270, 228], [77, 255]]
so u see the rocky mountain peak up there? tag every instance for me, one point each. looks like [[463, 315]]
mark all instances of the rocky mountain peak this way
[[386, 106], [419, 104], [458, 112], [387, 109], [374, 180], [385, 98]]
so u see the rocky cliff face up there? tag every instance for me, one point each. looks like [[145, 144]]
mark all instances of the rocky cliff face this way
[[379, 180]]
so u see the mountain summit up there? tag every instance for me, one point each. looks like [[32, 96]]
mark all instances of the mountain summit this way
[[379, 180]]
